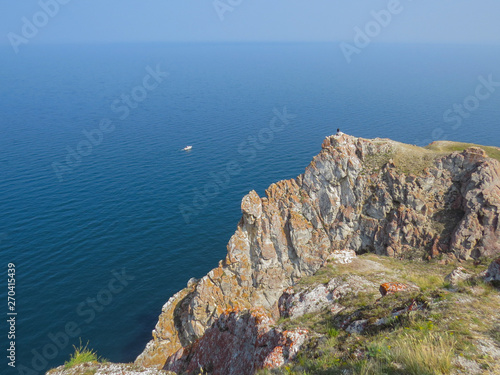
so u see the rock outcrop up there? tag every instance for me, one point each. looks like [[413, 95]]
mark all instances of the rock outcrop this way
[[356, 195], [294, 304], [493, 273], [238, 343], [457, 275]]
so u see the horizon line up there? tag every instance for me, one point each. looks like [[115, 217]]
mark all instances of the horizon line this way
[[40, 43]]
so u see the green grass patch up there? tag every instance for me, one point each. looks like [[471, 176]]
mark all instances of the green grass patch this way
[[333, 332], [424, 282], [82, 354]]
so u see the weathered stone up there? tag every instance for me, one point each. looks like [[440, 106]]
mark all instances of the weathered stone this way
[[307, 301], [238, 343], [357, 326], [342, 256], [493, 273], [457, 275], [251, 206], [96, 368]]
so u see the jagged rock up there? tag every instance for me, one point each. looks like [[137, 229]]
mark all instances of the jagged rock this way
[[251, 207], [293, 304], [457, 275], [192, 282], [353, 195], [238, 343], [493, 273]]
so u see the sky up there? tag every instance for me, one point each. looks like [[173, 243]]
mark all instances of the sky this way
[[110, 21]]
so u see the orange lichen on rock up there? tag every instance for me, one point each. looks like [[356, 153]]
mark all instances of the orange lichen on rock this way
[[239, 343], [389, 288]]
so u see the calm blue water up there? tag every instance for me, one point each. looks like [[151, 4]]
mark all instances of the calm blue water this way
[[119, 208]]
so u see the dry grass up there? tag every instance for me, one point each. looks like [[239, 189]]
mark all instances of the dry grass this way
[[448, 147], [375, 162], [408, 159], [419, 342], [429, 354], [411, 159]]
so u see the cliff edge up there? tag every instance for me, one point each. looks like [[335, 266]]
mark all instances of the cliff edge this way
[[357, 196]]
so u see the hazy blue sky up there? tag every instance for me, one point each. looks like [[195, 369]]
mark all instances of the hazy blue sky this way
[[253, 20]]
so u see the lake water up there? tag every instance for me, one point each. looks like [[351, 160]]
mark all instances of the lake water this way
[[136, 205]]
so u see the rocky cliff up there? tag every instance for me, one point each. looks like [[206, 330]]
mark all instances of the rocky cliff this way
[[356, 196]]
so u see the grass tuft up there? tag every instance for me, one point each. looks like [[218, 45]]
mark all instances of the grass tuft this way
[[429, 354], [82, 354]]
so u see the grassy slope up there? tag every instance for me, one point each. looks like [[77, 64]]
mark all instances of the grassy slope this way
[[412, 159], [437, 340], [447, 147]]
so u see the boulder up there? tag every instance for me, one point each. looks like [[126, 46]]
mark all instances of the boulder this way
[[493, 273], [310, 300], [457, 275], [391, 288]]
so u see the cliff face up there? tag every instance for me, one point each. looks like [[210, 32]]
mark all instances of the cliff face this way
[[356, 195], [239, 343]]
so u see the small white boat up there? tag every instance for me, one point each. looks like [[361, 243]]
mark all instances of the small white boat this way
[[187, 148]]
